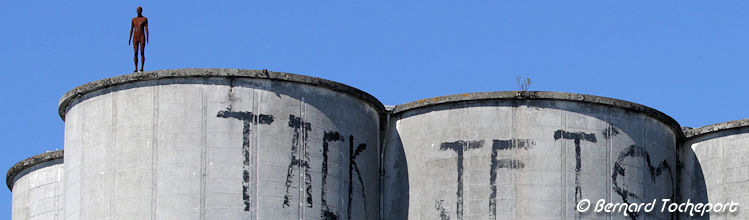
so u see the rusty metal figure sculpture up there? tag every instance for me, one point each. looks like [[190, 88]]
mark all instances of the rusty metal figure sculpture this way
[[140, 25]]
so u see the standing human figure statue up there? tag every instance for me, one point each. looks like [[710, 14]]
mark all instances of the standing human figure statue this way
[[140, 25]]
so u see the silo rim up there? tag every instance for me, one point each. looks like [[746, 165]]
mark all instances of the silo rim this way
[[528, 95], [695, 132], [30, 162], [79, 91]]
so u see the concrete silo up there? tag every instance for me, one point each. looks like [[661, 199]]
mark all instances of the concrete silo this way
[[525, 155], [716, 166], [220, 144], [36, 183]]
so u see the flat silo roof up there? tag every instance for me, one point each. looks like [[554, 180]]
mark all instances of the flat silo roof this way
[[28, 163], [67, 98], [543, 95], [696, 132]]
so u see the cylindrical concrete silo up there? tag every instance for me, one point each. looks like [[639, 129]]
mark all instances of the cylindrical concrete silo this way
[[716, 166], [220, 144], [525, 155], [36, 183]]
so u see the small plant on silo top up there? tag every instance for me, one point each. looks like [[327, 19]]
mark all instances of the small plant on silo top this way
[[524, 83]]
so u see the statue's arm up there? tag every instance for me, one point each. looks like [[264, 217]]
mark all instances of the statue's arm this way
[[146, 26], [131, 33]]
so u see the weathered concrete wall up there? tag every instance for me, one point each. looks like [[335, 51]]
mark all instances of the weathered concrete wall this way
[[530, 155], [716, 166], [36, 183], [220, 144]]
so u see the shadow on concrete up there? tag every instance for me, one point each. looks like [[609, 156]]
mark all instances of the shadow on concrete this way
[[395, 185], [694, 187]]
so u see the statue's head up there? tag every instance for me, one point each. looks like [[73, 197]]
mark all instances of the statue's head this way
[[140, 10]]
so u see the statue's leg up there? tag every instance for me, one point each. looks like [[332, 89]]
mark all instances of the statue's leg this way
[[142, 55], [135, 54]]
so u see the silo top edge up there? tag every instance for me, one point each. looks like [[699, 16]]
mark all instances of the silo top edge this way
[[527, 95], [691, 133], [68, 97], [30, 162]]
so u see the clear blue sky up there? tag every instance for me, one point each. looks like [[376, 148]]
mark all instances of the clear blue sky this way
[[687, 59]]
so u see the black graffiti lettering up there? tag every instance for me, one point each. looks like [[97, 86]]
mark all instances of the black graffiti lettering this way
[[325, 212], [329, 215], [634, 151], [610, 132], [520, 144], [577, 137], [510, 164], [503, 145], [301, 131], [441, 209], [460, 147], [354, 167], [247, 118]]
